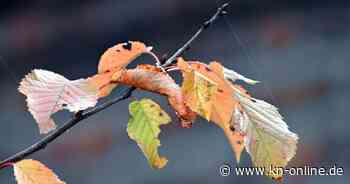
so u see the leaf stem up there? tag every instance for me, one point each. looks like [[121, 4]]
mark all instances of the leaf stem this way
[[81, 115]]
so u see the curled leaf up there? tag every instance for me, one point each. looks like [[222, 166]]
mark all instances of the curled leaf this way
[[115, 59], [143, 127], [48, 92], [34, 172], [151, 78], [120, 55], [233, 76]]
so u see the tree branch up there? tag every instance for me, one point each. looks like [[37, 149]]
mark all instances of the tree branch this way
[[81, 115], [220, 12]]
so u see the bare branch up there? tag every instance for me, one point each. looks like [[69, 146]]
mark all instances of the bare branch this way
[[81, 115], [220, 12]]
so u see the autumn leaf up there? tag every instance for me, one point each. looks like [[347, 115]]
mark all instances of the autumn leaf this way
[[103, 82], [48, 92], [151, 78], [120, 55], [233, 76], [254, 124], [268, 139], [236, 131], [199, 92], [222, 109], [34, 172], [115, 59], [143, 127], [223, 104]]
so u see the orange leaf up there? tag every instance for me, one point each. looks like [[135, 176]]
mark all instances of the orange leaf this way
[[224, 103], [103, 83], [120, 55], [151, 78], [115, 59], [34, 172]]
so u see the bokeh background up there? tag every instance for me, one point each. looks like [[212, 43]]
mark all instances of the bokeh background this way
[[299, 49]]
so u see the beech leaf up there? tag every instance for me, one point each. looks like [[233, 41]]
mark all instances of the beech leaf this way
[[143, 127], [48, 92], [34, 172]]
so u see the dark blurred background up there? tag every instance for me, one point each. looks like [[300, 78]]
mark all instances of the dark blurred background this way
[[297, 48]]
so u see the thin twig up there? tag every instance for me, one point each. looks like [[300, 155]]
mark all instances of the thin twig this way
[[220, 12], [81, 115]]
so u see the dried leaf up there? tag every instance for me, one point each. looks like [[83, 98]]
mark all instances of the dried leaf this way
[[199, 92], [151, 78], [34, 172], [103, 82], [115, 59], [224, 104], [269, 141], [235, 132], [120, 55], [48, 92], [233, 76], [143, 127]]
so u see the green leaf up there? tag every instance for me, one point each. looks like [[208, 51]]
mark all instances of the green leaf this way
[[143, 127]]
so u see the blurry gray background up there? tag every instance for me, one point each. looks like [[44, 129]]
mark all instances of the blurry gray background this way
[[299, 49]]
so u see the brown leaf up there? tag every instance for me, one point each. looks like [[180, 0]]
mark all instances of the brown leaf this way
[[151, 78]]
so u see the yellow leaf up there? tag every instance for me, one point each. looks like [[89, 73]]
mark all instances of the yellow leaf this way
[[223, 105], [143, 127], [34, 172], [199, 92]]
